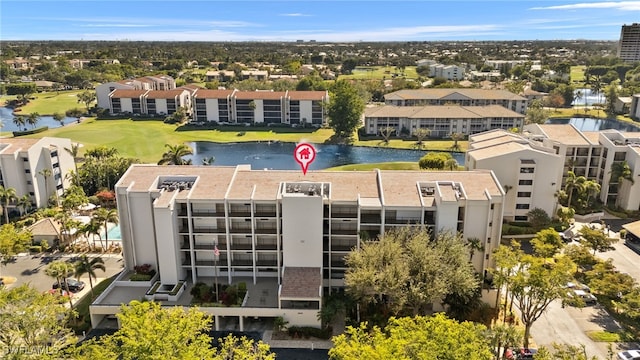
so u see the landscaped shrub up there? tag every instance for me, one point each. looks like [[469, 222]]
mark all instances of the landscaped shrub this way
[[143, 273], [307, 331]]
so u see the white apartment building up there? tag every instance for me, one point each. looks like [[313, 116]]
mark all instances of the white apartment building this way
[[284, 228], [441, 120], [629, 44], [590, 154], [463, 97], [449, 72], [266, 107], [530, 173], [24, 161], [634, 107], [158, 82], [149, 102]]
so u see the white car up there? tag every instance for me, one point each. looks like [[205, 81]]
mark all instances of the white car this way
[[629, 355]]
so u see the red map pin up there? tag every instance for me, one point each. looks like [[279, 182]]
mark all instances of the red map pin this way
[[304, 155]]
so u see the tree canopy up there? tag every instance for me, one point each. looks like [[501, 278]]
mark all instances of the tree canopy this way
[[408, 269], [149, 331], [345, 109], [12, 241], [420, 337], [30, 323], [435, 160]]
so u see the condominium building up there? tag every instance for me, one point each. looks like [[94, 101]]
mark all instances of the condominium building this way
[[267, 107], [629, 45], [463, 97], [158, 82], [36, 167], [634, 107], [529, 173], [149, 102], [449, 72], [200, 223], [591, 154], [440, 120]]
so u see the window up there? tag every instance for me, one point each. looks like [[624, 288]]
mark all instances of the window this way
[[526, 170], [521, 218], [522, 206], [27, 171], [525, 182], [524, 193]]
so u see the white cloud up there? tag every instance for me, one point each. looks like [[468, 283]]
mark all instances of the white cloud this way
[[295, 15], [618, 5]]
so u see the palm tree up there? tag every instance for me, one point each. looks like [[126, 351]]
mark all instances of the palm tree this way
[[74, 151], [89, 267], [59, 118], [421, 134], [474, 245], [59, 270], [456, 137], [7, 196], [592, 188], [93, 228], [33, 119], [46, 174], [20, 121], [573, 183], [106, 216], [24, 204], [620, 171], [174, 154], [451, 164]]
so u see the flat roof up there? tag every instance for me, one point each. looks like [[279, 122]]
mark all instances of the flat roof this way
[[566, 134], [11, 145], [633, 227], [391, 188]]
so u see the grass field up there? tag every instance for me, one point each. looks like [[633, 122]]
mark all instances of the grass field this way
[[49, 103], [379, 73], [400, 165], [577, 74], [438, 145]]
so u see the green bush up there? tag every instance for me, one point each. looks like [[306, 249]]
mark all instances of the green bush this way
[[140, 277], [35, 249], [30, 132], [307, 331]]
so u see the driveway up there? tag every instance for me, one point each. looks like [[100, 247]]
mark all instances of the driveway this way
[[30, 269]]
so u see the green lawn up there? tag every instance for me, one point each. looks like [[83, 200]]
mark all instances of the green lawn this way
[[379, 73], [48, 103], [437, 145], [400, 165], [145, 140], [577, 74]]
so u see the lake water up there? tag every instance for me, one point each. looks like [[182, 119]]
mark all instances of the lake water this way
[[279, 156], [591, 124], [6, 119], [588, 96]]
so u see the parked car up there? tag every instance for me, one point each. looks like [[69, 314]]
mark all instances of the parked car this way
[[524, 353], [73, 284], [629, 355], [587, 297]]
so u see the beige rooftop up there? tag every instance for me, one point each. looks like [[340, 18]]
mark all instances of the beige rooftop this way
[[566, 134], [428, 94], [391, 188], [441, 112]]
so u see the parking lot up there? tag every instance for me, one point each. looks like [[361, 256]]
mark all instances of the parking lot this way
[[30, 269]]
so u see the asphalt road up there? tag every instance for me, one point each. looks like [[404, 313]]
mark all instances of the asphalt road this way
[[30, 269]]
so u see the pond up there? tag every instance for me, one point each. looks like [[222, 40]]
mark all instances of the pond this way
[[6, 121], [592, 124], [587, 97], [279, 156]]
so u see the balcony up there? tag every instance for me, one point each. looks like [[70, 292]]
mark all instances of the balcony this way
[[241, 246], [206, 213], [209, 230], [370, 219], [240, 214], [240, 230], [403, 221], [241, 262], [266, 246], [221, 247]]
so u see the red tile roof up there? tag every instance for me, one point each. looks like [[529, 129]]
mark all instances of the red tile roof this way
[[126, 93], [259, 95], [308, 95], [164, 94], [301, 283], [212, 94]]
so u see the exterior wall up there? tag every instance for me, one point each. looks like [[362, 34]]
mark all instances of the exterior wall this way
[[629, 44], [443, 127], [302, 245], [143, 235], [212, 110], [305, 111], [25, 176], [258, 112], [168, 248], [634, 109], [161, 106], [103, 91], [629, 196], [126, 105]]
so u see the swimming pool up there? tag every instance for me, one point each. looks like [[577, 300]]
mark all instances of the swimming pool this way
[[114, 234]]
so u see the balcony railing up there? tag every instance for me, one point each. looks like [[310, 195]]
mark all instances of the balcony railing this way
[[209, 230]]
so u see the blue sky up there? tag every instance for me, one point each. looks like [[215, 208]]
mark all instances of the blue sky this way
[[335, 21]]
